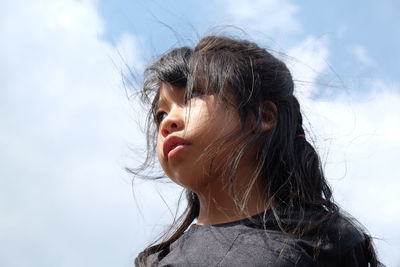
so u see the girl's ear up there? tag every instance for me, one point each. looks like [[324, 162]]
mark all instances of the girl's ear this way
[[268, 113]]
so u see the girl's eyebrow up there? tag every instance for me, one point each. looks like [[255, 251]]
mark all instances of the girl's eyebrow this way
[[161, 103]]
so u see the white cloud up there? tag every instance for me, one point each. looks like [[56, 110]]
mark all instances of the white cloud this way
[[307, 60], [360, 53], [268, 17], [64, 197]]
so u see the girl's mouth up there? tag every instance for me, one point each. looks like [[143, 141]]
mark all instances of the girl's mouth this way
[[173, 145]]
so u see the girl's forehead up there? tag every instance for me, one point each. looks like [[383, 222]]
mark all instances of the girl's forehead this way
[[169, 93]]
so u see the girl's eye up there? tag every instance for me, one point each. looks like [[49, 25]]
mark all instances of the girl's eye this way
[[160, 116]]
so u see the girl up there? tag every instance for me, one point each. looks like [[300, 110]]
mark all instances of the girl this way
[[228, 128]]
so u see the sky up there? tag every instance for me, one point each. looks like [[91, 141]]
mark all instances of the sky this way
[[68, 129]]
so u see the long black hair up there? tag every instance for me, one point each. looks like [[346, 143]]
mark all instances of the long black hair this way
[[260, 87]]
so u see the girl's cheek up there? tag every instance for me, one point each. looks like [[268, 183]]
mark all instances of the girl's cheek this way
[[159, 150]]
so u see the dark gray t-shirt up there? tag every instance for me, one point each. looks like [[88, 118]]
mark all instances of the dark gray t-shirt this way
[[245, 243]]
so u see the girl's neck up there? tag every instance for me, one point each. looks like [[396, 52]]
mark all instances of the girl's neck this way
[[217, 203], [217, 212]]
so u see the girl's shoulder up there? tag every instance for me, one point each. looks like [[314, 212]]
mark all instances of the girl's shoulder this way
[[344, 232], [342, 241]]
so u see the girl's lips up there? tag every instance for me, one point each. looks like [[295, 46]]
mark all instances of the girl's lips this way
[[173, 145]]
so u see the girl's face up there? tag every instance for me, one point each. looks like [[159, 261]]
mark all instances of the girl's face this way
[[187, 130]]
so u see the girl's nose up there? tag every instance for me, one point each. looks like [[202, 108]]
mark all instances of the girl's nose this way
[[172, 123]]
